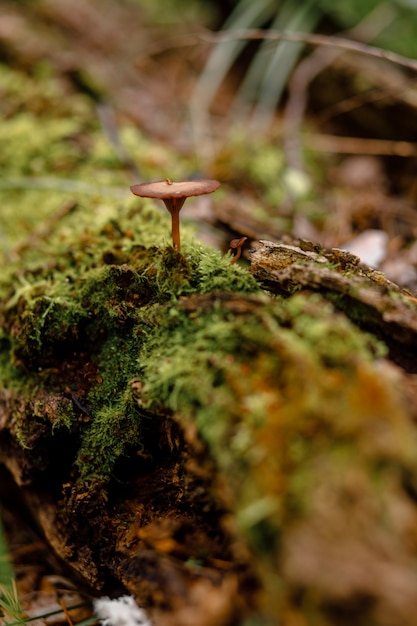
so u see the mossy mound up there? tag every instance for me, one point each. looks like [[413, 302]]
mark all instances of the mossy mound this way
[[78, 305], [104, 334]]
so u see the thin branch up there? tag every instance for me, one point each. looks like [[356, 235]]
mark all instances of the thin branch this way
[[312, 39], [207, 36], [360, 145]]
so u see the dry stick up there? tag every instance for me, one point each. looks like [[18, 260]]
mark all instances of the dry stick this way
[[276, 35], [351, 103], [315, 40], [66, 613], [361, 145]]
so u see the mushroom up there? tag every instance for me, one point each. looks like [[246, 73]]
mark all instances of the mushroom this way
[[236, 244], [174, 195]]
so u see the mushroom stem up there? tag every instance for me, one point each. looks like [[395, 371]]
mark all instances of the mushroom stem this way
[[237, 256], [174, 206]]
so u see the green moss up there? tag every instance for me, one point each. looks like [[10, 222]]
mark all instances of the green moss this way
[[116, 300], [103, 332], [62, 152], [80, 297], [103, 325], [115, 430], [55, 153], [332, 342], [211, 271], [293, 362]]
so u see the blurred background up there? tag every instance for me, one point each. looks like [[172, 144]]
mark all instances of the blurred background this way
[[309, 136]]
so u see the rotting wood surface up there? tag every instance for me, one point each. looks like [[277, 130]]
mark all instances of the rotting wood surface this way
[[309, 477], [363, 294]]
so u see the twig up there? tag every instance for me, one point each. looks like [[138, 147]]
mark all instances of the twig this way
[[359, 145], [275, 35], [312, 39], [66, 613]]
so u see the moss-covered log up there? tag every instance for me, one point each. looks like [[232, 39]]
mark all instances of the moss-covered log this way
[[362, 293], [231, 446], [222, 453]]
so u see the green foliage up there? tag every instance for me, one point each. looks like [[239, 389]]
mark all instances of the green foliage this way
[[176, 12], [9, 599], [6, 570], [10, 604], [400, 21]]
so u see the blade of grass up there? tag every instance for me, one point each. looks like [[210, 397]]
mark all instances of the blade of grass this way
[[27, 620], [281, 62], [247, 14], [10, 603], [6, 570], [9, 598]]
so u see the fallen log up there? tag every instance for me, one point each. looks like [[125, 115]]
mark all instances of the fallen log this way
[[223, 444]]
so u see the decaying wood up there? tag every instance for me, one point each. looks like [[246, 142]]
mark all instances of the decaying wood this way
[[166, 525], [363, 294], [162, 510]]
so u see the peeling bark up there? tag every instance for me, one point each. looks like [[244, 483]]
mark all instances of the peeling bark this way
[[363, 294]]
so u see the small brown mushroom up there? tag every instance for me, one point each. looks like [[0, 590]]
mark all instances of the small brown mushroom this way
[[236, 244], [174, 195]]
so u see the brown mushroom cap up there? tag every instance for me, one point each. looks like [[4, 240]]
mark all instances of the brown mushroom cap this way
[[237, 243], [165, 189]]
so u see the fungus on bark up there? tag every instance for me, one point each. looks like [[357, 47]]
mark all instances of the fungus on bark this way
[[174, 194]]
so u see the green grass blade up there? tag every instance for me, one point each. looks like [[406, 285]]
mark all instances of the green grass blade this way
[[271, 67], [6, 570]]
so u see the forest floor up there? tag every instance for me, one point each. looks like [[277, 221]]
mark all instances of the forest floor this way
[[108, 87]]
